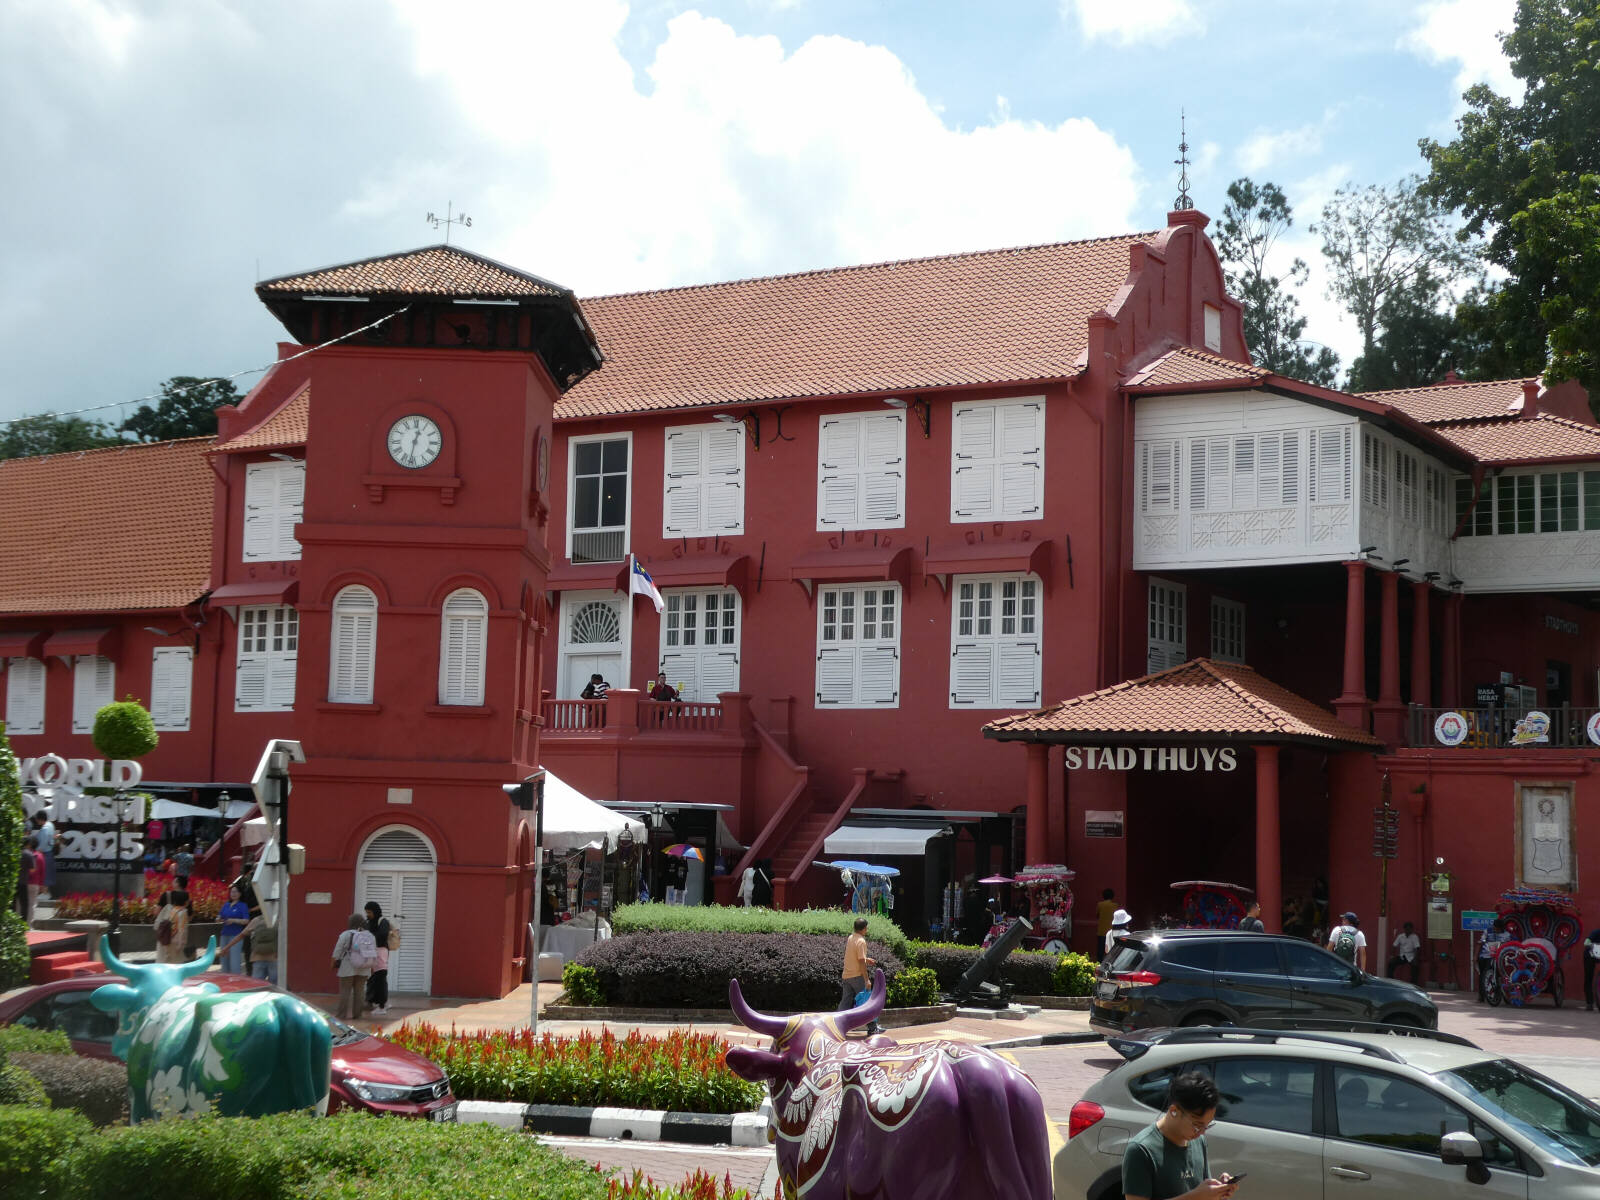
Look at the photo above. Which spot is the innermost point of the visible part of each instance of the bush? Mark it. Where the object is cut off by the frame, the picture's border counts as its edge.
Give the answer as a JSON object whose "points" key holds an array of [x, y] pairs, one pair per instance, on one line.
{"points": [[1074, 975], [20, 1039], [17, 1086], [681, 1072], [125, 729], [784, 974], [1030, 972], [582, 985], [96, 1088], [719, 918], [35, 1146], [914, 987], [13, 929]]}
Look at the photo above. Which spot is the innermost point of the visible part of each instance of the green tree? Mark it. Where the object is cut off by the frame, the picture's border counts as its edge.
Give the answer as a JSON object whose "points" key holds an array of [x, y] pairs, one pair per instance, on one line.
{"points": [[187, 408], [1526, 175], [1253, 219], [1391, 253], [47, 433], [125, 729], [13, 929], [1421, 341]]}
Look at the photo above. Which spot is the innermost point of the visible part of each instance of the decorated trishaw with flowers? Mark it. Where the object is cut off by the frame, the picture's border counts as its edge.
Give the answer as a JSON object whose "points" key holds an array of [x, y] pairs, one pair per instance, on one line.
{"points": [[1541, 925], [1211, 904], [1049, 907]]}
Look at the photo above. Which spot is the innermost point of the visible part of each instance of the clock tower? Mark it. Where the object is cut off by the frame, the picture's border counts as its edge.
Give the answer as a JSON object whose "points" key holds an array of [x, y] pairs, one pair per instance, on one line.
{"points": [[422, 602]]}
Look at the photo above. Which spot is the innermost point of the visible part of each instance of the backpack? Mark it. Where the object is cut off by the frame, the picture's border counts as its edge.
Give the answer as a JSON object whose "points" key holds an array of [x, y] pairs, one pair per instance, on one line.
{"points": [[1344, 943], [164, 931], [393, 940], [363, 952]]}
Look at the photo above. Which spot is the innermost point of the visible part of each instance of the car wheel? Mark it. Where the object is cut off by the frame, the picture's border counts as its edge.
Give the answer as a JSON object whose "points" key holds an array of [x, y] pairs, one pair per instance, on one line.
{"points": [[1201, 1018]]}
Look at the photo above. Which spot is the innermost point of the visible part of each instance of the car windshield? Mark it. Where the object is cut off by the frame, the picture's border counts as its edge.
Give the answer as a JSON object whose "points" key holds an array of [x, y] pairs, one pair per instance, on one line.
{"points": [[344, 1035], [1559, 1121]]}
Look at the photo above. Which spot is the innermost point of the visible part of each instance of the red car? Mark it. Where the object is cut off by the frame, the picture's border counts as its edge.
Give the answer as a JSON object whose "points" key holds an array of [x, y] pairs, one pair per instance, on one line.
{"points": [[368, 1073]]}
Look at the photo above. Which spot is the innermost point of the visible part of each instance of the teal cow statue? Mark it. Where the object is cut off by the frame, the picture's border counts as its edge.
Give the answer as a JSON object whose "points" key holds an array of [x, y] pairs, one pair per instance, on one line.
{"points": [[197, 1050]]}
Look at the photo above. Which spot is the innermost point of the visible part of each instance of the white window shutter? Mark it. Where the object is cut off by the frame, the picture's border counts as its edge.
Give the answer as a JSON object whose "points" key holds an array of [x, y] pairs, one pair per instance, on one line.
{"points": [[171, 687], [291, 506], [719, 672], [1021, 460], [836, 675], [880, 676], [723, 505], [260, 509], [353, 646], [1269, 465], [884, 469], [93, 687], [839, 473], [280, 682], [683, 673], [1017, 674], [250, 683], [1219, 483], [972, 465], [684, 482], [1197, 475], [1289, 468], [463, 648], [25, 680], [972, 675]]}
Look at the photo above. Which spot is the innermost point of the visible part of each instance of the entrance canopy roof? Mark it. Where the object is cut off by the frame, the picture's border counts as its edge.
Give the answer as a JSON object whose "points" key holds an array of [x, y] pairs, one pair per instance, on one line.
{"points": [[1199, 702]]}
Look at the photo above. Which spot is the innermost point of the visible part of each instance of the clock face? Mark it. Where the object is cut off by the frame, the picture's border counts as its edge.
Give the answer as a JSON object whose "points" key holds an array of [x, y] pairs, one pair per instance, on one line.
{"points": [[415, 441]]}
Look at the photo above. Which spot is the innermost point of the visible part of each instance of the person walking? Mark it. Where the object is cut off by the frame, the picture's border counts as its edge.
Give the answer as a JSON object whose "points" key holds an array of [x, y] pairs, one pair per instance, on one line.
{"points": [[1121, 921], [1167, 1160], [354, 955], [235, 915], [46, 833], [1348, 942], [1103, 914], [183, 864], [1252, 919], [853, 977], [1591, 955], [378, 982], [30, 877], [1407, 951], [172, 927]]}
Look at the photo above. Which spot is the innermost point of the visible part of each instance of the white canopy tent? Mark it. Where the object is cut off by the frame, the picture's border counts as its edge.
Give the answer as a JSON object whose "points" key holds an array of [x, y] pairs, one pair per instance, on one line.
{"points": [[572, 821], [866, 841]]}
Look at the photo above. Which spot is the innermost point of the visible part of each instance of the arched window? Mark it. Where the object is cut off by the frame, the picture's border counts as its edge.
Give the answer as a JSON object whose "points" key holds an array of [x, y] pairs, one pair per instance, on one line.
{"points": [[463, 643], [352, 646]]}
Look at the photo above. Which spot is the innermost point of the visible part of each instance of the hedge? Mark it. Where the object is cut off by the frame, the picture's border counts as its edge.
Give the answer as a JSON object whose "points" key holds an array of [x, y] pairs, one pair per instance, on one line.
{"points": [[720, 918], [95, 1087], [14, 961], [58, 1156], [1030, 972], [22, 1039], [784, 974]]}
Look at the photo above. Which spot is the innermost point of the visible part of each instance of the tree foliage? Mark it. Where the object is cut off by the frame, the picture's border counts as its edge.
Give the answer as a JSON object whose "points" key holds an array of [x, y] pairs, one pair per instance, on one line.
{"points": [[13, 929], [187, 408], [125, 729], [1526, 175], [1393, 257], [47, 433], [1253, 219]]}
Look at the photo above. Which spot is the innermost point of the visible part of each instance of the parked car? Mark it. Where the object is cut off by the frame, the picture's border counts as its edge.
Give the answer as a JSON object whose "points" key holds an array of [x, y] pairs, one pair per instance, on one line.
{"points": [[1213, 977], [1374, 1115], [368, 1073]]}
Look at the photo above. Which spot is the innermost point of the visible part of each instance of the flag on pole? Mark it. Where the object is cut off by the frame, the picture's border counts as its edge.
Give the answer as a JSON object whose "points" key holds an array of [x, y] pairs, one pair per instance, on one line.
{"points": [[640, 584]]}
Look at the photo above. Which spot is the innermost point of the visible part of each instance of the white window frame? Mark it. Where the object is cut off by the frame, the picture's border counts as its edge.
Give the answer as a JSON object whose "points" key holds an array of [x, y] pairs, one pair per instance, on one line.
{"points": [[171, 688], [463, 622], [1211, 327], [856, 490], [269, 650], [689, 640], [996, 641], [1167, 625], [702, 480], [274, 503], [625, 436], [1227, 630], [851, 646], [25, 696], [1244, 471], [997, 460], [352, 645], [1160, 475], [94, 685]]}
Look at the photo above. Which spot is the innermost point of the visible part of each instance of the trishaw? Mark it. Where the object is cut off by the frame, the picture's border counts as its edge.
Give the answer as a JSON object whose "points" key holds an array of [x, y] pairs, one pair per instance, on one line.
{"points": [[1209, 904], [1542, 925], [1049, 907]]}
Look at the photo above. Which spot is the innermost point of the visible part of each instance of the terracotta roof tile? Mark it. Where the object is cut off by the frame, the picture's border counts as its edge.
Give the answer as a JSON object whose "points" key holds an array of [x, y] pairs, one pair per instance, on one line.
{"points": [[1453, 401], [285, 427], [1515, 439], [431, 271], [993, 317], [1187, 365], [1201, 697], [106, 530]]}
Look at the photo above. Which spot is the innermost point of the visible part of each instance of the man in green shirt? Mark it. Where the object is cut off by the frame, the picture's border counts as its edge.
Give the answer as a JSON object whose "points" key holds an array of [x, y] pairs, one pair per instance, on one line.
{"points": [[1167, 1160]]}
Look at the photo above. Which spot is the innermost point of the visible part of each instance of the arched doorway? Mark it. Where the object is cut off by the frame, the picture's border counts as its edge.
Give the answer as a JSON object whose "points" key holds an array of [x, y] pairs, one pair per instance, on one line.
{"points": [[594, 639], [397, 869]]}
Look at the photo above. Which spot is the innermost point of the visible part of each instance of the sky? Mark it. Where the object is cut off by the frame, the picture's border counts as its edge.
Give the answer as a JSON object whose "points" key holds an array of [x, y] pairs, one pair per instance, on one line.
{"points": [[165, 155]]}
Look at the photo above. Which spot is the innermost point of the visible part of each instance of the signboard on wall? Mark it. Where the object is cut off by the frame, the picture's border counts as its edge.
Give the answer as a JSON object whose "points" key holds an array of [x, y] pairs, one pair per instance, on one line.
{"points": [[1475, 920], [1103, 823], [1544, 835], [1151, 758], [1439, 924]]}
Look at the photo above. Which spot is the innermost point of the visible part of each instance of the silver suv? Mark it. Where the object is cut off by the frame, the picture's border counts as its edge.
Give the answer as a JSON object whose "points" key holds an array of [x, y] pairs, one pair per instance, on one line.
{"points": [[1363, 1115]]}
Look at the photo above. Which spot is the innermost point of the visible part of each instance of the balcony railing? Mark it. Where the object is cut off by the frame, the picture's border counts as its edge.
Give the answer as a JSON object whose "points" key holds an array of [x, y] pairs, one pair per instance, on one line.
{"points": [[680, 716], [574, 716], [627, 712], [1552, 728]]}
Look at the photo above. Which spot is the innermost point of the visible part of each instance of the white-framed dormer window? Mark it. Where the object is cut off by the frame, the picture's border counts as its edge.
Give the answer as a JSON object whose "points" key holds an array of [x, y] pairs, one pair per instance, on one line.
{"points": [[269, 645], [94, 685], [703, 484], [997, 460], [700, 641], [24, 696], [352, 645], [171, 687], [597, 517], [858, 646], [861, 471], [1169, 623], [463, 647], [994, 642], [1227, 630], [1212, 331], [274, 502]]}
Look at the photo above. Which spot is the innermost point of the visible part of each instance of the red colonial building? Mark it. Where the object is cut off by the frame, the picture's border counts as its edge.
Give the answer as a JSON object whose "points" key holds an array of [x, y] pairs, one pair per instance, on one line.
{"points": [[900, 515]]}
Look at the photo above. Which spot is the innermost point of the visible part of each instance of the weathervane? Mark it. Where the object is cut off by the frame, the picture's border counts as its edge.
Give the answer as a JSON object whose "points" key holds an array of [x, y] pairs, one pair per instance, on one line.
{"points": [[1182, 161], [448, 220]]}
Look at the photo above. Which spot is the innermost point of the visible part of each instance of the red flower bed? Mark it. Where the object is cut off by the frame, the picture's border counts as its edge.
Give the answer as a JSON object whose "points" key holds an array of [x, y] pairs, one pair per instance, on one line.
{"points": [[205, 895], [699, 1186]]}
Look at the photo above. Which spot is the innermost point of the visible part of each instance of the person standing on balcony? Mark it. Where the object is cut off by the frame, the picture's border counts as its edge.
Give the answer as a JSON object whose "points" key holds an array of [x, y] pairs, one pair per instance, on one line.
{"points": [[596, 689], [662, 690]]}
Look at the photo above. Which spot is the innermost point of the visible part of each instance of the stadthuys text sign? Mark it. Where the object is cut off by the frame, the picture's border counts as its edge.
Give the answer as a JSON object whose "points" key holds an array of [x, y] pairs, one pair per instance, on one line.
{"points": [[1151, 758]]}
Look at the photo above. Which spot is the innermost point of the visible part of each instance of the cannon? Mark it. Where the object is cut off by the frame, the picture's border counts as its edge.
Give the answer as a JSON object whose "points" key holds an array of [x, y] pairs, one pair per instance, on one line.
{"points": [[973, 989]]}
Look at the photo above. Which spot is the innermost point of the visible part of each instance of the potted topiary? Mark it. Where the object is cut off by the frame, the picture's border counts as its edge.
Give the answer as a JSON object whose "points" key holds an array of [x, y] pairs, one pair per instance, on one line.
{"points": [[123, 729]]}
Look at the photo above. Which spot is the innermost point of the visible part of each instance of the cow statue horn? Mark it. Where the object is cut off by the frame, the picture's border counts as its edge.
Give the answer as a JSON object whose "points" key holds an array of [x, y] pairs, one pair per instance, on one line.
{"points": [[203, 963], [115, 964], [867, 1011], [749, 1017]]}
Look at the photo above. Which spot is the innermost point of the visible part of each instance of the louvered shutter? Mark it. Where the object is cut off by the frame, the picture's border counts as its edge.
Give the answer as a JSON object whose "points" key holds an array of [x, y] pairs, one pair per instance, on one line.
{"points": [[1269, 468], [685, 465], [972, 453], [839, 473], [1330, 466], [1289, 468], [353, 646], [260, 512], [879, 676], [1197, 475], [25, 680], [723, 493], [836, 675], [719, 672], [1021, 455], [1219, 486], [1158, 476], [1244, 472], [291, 507], [410, 967], [683, 672], [93, 687], [250, 683], [280, 681], [463, 644], [1017, 674], [972, 674], [884, 469], [171, 687]]}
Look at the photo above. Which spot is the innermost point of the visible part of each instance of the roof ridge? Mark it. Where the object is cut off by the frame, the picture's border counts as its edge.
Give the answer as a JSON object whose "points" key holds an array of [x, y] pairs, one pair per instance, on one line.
{"points": [[400, 254], [1273, 714], [1444, 384], [851, 268], [162, 444]]}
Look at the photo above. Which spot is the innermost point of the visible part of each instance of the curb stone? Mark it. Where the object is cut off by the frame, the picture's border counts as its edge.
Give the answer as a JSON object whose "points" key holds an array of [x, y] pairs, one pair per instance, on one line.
{"points": [[1045, 1039], [625, 1124]]}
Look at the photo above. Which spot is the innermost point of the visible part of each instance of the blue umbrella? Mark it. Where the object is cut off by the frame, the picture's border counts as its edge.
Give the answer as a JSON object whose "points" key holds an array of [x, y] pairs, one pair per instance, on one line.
{"points": [[871, 869], [849, 864]]}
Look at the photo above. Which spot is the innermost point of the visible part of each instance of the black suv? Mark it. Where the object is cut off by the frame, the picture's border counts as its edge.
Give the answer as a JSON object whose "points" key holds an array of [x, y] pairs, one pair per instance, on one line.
{"points": [[1214, 977]]}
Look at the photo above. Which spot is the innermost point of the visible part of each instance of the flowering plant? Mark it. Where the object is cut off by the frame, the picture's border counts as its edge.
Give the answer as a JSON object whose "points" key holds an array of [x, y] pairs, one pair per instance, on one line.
{"points": [[699, 1186]]}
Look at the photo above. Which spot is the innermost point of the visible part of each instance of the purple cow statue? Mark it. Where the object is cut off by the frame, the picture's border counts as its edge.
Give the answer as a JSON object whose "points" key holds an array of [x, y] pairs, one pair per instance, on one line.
{"points": [[872, 1119]]}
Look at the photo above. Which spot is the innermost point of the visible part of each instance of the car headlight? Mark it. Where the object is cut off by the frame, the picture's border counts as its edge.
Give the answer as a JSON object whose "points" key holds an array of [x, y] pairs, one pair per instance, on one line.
{"points": [[378, 1093]]}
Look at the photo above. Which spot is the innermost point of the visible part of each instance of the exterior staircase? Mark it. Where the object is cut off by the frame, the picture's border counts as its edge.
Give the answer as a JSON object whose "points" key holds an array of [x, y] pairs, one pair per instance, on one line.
{"points": [[64, 964]]}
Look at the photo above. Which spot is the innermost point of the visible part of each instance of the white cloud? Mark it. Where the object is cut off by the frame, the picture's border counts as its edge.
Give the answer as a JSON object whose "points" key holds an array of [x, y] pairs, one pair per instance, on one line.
{"points": [[1467, 32], [1263, 150], [1127, 22]]}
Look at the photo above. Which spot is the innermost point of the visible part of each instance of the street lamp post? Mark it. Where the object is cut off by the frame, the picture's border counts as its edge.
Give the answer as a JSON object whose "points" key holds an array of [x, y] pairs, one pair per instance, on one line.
{"points": [[114, 934]]}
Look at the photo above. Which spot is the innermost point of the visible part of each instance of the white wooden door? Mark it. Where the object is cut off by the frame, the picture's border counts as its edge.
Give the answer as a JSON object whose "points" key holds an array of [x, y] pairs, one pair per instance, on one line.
{"points": [[397, 871]]}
